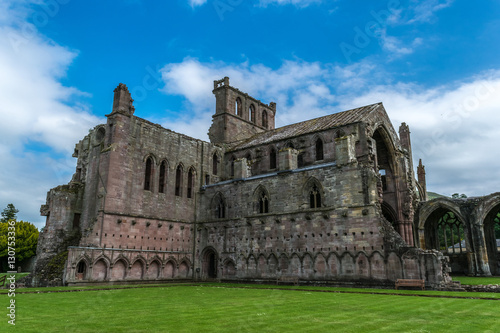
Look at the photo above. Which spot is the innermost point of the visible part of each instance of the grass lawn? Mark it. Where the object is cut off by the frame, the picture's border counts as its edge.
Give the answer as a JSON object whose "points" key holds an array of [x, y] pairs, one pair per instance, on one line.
{"points": [[18, 275], [220, 308], [472, 280]]}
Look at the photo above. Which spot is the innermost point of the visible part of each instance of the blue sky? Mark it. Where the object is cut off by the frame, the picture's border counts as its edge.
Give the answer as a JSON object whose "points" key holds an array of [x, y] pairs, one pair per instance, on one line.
{"points": [[433, 63]]}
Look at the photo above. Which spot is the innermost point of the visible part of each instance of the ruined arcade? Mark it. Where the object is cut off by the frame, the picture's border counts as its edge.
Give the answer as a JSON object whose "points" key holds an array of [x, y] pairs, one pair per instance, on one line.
{"points": [[332, 199]]}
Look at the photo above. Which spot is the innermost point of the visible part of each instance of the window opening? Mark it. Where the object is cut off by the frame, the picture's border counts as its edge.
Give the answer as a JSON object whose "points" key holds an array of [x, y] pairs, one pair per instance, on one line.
{"points": [[148, 174], [314, 197]]}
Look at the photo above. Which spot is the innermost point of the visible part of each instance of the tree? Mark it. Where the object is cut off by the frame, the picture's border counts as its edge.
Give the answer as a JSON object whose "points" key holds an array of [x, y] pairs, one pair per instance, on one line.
{"points": [[9, 213], [26, 240], [496, 220], [458, 196]]}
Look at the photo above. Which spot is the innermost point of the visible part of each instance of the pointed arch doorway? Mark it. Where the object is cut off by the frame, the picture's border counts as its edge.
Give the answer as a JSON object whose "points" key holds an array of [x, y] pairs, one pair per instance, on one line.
{"points": [[209, 263]]}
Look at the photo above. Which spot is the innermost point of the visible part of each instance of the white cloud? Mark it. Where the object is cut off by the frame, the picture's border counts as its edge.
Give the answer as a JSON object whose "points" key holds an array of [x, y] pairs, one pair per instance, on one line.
{"points": [[420, 11], [425, 10], [394, 45], [194, 3], [298, 3], [289, 86], [454, 126], [36, 111]]}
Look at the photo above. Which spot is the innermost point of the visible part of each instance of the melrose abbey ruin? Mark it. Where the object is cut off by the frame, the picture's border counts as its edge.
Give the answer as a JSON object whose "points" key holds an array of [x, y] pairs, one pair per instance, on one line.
{"points": [[329, 200]]}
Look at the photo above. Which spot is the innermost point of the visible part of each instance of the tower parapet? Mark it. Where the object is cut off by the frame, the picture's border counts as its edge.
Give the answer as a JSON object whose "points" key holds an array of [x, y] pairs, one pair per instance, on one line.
{"points": [[238, 116]]}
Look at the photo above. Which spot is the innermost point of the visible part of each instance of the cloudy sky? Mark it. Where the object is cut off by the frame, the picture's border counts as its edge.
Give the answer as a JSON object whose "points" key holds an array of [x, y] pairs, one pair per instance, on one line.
{"points": [[433, 63]]}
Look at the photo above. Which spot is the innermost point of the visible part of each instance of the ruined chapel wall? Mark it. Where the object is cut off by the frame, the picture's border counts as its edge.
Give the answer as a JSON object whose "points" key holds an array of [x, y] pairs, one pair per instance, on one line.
{"points": [[289, 191], [140, 139], [345, 225], [305, 145]]}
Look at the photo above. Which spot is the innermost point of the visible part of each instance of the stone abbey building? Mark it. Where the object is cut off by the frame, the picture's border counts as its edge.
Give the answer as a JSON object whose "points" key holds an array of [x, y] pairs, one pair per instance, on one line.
{"points": [[332, 199]]}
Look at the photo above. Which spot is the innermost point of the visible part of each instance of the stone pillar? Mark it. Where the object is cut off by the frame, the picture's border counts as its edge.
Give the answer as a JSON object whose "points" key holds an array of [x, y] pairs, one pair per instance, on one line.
{"points": [[241, 168], [421, 179], [345, 150], [480, 250], [288, 159]]}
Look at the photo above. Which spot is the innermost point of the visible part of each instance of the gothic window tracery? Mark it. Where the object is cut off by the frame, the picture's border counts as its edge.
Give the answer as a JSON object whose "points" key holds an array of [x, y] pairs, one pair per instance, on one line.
{"points": [[263, 203], [451, 234], [314, 197]]}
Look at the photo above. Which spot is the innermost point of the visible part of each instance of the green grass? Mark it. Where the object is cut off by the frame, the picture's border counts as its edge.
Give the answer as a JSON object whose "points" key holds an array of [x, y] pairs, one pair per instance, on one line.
{"points": [[472, 280], [18, 275], [91, 287], [433, 195], [220, 308]]}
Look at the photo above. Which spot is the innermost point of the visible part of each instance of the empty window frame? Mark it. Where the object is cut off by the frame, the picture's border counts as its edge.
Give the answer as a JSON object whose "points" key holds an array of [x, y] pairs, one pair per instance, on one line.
{"points": [[148, 174], [319, 150], [162, 181], [178, 181]]}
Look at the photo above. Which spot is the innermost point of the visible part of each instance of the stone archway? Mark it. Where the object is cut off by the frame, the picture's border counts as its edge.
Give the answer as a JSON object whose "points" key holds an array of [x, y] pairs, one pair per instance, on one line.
{"points": [[209, 263], [446, 231]]}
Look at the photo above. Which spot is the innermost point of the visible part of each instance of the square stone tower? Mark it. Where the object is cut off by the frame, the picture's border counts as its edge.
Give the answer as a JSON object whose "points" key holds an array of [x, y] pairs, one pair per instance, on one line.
{"points": [[238, 116]]}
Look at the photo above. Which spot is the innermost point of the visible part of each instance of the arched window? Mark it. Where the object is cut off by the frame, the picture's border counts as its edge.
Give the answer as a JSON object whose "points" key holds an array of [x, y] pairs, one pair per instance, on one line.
{"points": [[81, 270], [314, 197], [264, 119], [451, 234], [178, 181], [251, 113], [220, 207], [81, 267], [237, 107], [319, 150], [263, 203], [190, 186], [148, 174], [272, 159], [162, 181], [215, 164]]}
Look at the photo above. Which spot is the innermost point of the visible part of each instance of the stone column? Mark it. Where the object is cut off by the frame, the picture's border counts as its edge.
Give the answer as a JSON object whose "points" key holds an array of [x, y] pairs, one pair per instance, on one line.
{"points": [[241, 168], [480, 251], [288, 159], [345, 150]]}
